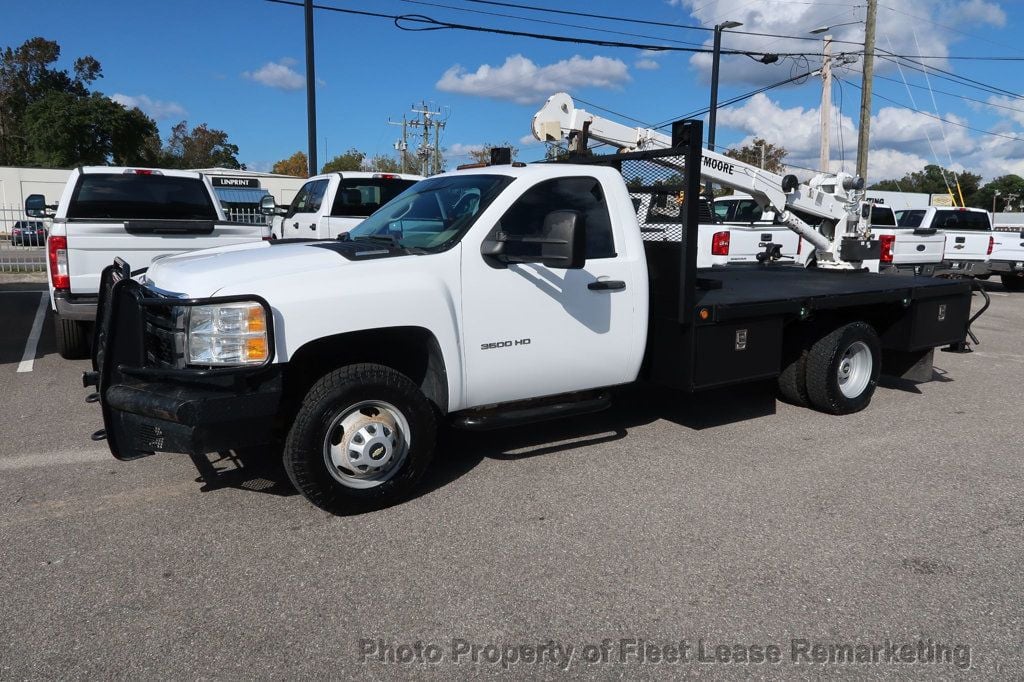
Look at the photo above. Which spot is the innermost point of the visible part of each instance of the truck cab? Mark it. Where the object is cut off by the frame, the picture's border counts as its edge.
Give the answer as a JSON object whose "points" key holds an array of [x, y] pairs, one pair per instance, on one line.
{"points": [[333, 203]]}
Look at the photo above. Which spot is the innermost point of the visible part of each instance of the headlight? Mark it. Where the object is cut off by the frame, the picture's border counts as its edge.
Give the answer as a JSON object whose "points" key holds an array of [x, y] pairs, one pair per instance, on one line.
{"points": [[227, 334]]}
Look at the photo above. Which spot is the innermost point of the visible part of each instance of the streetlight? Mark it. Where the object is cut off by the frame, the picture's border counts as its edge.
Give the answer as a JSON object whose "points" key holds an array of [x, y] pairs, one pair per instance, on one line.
{"points": [[823, 29], [995, 195], [716, 55]]}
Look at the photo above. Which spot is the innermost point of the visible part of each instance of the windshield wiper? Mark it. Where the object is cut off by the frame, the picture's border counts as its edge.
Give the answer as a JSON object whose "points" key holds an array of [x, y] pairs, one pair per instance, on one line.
{"points": [[389, 239]]}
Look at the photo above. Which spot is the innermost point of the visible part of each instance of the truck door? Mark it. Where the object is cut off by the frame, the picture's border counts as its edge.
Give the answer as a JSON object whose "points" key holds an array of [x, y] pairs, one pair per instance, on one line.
{"points": [[530, 330], [300, 222]]}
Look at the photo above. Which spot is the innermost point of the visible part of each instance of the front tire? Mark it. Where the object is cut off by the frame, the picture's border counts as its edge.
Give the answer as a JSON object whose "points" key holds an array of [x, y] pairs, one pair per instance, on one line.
{"points": [[843, 369], [1012, 282], [72, 338], [362, 439]]}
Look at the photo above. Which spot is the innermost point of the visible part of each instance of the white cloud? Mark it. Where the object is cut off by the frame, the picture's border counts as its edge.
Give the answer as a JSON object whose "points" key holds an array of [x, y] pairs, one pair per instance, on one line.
{"points": [[278, 75], [460, 149], [899, 139], [646, 64], [156, 108], [896, 27], [522, 81], [1007, 107], [527, 140]]}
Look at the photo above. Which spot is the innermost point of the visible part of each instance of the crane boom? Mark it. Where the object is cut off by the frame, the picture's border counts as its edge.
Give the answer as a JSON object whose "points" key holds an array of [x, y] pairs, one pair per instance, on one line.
{"points": [[836, 199]]}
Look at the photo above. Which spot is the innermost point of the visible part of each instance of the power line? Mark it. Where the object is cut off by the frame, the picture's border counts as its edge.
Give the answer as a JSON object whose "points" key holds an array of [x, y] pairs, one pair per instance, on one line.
{"points": [[954, 78], [649, 22], [431, 24], [952, 94], [547, 21], [944, 120]]}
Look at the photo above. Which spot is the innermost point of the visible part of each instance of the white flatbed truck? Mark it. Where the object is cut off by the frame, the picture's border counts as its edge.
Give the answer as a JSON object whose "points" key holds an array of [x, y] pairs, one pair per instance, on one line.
{"points": [[531, 305]]}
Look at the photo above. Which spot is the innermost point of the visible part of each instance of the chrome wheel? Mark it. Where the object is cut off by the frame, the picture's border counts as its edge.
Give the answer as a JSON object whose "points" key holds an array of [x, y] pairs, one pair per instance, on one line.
{"points": [[854, 370], [366, 444]]}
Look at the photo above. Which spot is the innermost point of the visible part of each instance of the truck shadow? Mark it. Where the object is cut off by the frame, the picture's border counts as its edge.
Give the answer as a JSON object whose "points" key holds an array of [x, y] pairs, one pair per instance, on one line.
{"points": [[459, 452]]}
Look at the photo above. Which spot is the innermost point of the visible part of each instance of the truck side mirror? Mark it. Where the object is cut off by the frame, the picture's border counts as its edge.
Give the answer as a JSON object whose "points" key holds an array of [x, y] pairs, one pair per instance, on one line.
{"points": [[562, 243], [565, 240], [267, 205], [35, 206]]}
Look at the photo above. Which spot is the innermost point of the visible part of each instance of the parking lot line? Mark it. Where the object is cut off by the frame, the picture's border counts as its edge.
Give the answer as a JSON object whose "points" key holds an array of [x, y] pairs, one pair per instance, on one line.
{"points": [[28, 359]]}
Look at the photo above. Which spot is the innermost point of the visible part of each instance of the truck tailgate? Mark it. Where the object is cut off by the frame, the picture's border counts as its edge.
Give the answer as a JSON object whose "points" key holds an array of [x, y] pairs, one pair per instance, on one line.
{"points": [[966, 245], [746, 241], [92, 245], [1008, 246], [915, 249]]}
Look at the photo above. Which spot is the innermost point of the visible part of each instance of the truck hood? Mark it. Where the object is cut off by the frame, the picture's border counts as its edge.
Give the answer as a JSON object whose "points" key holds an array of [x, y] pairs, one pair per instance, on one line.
{"points": [[204, 273]]}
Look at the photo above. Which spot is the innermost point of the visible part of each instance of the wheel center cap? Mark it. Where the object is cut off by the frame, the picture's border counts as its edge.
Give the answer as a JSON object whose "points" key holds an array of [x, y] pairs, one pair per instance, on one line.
{"points": [[378, 451]]}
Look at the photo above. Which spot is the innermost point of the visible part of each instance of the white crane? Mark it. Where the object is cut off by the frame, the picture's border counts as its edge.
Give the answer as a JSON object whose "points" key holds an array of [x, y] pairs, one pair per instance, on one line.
{"points": [[836, 199]]}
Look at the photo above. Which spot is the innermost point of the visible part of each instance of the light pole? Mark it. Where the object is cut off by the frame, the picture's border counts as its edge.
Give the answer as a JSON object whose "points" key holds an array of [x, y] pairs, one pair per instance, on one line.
{"points": [[716, 54], [995, 195], [310, 91]]}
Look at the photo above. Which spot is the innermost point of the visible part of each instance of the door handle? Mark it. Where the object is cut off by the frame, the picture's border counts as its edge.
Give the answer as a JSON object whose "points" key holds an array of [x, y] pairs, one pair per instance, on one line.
{"points": [[312, 226], [607, 285], [295, 225]]}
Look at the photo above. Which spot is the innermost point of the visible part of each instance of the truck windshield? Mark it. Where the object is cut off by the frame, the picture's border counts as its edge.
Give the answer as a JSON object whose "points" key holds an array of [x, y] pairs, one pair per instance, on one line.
{"points": [[433, 214], [140, 197]]}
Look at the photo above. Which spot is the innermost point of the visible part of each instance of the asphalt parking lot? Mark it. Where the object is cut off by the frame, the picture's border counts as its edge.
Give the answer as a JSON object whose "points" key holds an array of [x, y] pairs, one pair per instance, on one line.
{"points": [[729, 519]]}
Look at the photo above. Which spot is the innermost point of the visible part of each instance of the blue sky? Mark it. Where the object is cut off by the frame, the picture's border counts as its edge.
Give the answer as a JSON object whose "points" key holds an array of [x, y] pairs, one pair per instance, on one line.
{"points": [[238, 65]]}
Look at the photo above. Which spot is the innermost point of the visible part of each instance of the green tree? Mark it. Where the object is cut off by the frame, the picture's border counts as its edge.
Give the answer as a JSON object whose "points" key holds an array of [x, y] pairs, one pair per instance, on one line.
{"points": [[1006, 185], [352, 160], [27, 76], [933, 179], [382, 163], [64, 130], [297, 164], [773, 156], [200, 147]]}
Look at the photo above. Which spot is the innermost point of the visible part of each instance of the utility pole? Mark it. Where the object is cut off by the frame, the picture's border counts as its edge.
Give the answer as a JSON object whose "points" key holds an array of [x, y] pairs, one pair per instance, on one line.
{"points": [[826, 101], [402, 145], [428, 153], [310, 91], [864, 130]]}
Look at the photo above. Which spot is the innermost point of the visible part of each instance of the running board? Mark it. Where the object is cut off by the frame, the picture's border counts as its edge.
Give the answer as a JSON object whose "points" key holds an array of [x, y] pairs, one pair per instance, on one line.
{"points": [[499, 418]]}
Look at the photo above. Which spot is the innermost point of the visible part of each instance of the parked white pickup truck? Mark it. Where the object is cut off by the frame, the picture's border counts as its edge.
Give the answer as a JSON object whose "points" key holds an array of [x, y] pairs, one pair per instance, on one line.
{"points": [[527, 305], [139, 214], [333, 203], [906, 250], [659, 212], [1007, 259], [968, 234]]}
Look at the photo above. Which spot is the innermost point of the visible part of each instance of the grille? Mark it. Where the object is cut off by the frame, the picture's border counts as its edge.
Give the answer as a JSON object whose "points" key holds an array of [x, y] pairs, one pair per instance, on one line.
{"points": [[161, 342]]}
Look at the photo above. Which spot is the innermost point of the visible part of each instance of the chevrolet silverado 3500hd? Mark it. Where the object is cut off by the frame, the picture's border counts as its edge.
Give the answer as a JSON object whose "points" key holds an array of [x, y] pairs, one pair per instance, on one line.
{"points": [[528, 304]]}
